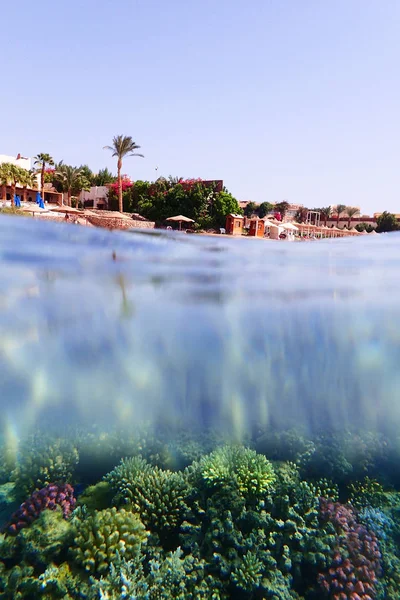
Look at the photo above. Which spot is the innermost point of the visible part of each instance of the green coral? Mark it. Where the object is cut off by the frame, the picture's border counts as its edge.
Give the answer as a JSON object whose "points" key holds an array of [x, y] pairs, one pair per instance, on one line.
{"points": [[248, 574], [97, 497], [158, 496], [46, 539], [103, 536], [367, 492], [43, 461], [249, 473], [173, 576]]}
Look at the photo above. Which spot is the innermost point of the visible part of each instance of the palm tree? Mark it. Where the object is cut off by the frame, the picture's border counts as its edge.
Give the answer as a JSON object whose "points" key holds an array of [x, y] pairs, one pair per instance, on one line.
{"points": [[41, 160], [123, 145], [11, 174], [28, 180], [326, 213], [340, 208], [71, 179], [103, 177], [351, 211]]}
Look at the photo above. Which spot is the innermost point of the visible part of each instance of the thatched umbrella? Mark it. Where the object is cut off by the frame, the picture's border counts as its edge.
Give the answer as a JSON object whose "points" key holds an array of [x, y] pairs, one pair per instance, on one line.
{"points": [[180, 219], [67, 210], [34, 209]]}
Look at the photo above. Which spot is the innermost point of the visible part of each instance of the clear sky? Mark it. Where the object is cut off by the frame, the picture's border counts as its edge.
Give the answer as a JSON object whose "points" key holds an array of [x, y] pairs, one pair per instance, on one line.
{"points": [[294, 100]]}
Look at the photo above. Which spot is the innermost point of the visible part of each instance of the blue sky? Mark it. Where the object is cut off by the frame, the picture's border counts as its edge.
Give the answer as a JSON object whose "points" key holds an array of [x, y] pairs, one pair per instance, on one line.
{"points": [[282, 99]]}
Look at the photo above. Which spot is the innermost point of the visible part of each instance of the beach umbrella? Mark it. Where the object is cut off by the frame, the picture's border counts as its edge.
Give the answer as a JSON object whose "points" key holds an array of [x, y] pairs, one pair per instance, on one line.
{"points": [[373, 232], [180, 219], [17, 201], [38, 197], [35, 209], [290, 226], [67, 210]]}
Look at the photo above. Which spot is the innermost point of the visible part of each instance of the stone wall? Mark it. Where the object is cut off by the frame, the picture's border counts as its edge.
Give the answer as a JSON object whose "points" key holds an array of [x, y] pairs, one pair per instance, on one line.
{"points": [[110, 222]]}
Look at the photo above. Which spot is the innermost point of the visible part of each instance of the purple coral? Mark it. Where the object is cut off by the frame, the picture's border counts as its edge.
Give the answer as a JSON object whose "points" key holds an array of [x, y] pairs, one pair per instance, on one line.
{"points": [[356, 563], [48, 497]]}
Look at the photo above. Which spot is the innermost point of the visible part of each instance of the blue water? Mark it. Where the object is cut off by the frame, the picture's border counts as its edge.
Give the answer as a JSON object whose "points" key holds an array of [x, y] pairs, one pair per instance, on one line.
{"points": [[175, 328]]}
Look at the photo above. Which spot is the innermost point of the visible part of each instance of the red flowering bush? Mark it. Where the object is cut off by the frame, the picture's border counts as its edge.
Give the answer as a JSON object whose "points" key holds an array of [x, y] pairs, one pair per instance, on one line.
{"points": [[126, 184], [356, 563]]}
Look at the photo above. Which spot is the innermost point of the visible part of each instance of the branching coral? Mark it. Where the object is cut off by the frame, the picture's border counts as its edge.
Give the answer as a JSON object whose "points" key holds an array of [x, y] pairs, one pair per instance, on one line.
{"points": [[251, 474], [158, 496], [42, 461], [356, 563]]}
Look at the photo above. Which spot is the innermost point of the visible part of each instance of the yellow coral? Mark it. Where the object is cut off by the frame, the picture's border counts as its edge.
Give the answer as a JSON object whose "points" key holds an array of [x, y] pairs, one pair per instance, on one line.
{"points": [[103, 535]]}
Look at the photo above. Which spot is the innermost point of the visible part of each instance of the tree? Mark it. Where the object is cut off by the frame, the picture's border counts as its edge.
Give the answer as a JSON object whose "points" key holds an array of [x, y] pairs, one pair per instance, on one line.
{"points": [[11, 174], [224, 204], [326, 213], [301, 215], [103, 177], [282, 208], [351, 211], [28, 180], [71, 179], [122, 146], [250, 209], [87, 173], [41, 160], [264, 209], [387, 222], [340, 208]]}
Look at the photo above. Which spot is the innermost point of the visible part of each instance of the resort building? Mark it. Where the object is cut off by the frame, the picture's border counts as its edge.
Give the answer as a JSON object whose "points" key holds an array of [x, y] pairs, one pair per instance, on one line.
{"points": [[28, 194], [96, 197]]}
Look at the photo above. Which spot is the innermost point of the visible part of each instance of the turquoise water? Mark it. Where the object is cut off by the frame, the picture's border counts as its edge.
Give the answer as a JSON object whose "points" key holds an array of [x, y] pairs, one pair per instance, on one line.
{"points": [[196, 417]]}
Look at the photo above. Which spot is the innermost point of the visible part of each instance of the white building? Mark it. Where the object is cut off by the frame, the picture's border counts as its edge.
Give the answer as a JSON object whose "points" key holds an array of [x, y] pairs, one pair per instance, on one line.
{"points": [[96, 197]]}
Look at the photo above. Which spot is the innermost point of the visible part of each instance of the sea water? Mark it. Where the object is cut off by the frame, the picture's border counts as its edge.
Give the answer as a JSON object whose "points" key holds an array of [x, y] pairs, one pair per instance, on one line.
{"points": [[112, 328], [287, 348]]}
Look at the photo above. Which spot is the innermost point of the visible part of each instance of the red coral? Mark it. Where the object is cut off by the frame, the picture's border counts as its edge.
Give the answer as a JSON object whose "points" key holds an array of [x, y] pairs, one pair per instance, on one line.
{"points": [[48, 497], [356, 564]]}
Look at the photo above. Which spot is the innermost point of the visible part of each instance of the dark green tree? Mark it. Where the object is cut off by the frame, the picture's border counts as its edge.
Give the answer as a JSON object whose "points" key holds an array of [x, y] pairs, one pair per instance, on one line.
{"points": [[103, 177], [250, 209], [282, 207], [387, 222], [339, 210], [264, 209]]}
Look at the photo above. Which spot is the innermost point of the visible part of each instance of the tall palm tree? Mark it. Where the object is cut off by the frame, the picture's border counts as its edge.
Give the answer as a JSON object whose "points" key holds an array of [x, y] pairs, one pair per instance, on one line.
{"points": [[340, 208], [351, 211], [326, 212], [28, 180], [41, 160], [122, 145], [11, 174], [71, 180]]}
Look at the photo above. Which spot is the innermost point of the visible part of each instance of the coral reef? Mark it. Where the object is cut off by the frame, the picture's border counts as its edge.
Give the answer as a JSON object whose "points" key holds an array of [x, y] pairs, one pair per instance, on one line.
{"points": [[43, 460], [158, 496], [248, 473], [103, 536], [49, 497], [229, 525], [356, 563]]}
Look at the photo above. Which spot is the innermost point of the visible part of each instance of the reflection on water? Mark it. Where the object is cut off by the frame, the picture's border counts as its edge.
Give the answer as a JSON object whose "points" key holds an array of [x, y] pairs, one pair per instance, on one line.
{"points": [[109, 328]]}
